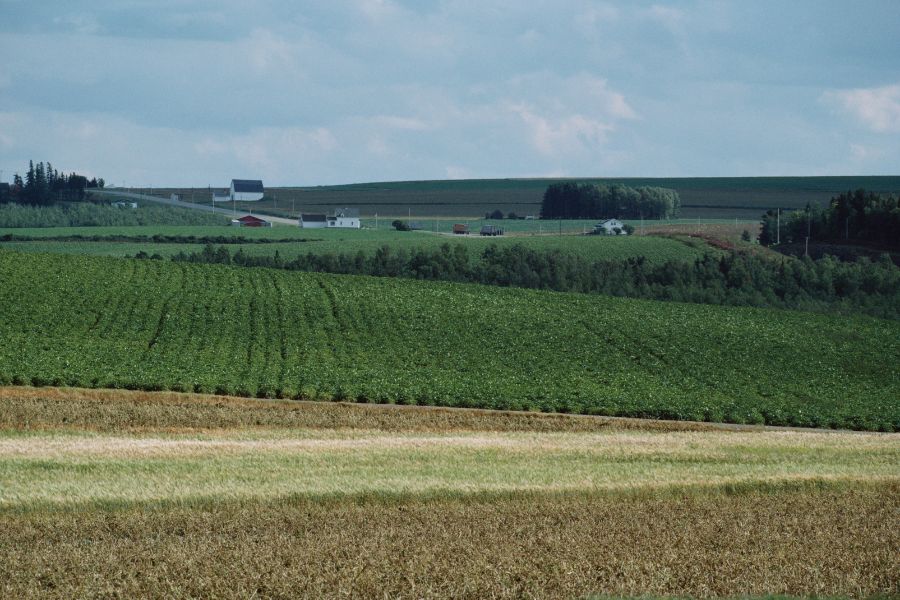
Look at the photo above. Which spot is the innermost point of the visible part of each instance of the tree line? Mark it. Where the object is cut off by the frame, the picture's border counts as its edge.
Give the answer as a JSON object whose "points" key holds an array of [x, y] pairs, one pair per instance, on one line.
{"points": [[738, 279], [860, 216], [571, 200], [43, 185]]}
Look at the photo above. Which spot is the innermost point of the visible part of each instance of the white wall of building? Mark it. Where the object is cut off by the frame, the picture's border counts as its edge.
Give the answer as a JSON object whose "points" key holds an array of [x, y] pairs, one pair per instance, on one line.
{"points": [[344, 222], [247, 196]]}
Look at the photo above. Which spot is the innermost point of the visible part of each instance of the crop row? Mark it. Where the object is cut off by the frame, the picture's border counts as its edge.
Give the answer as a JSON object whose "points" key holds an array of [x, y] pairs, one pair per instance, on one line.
{"points": [[98, 322]]}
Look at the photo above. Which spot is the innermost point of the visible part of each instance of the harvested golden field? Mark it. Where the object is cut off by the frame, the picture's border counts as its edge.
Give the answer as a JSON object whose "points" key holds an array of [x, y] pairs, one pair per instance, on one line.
{"points": [[132, 494], [25, 408], [812, 541]]}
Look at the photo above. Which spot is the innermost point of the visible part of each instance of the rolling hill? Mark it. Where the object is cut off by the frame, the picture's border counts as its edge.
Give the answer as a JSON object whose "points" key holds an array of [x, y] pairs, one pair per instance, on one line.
{"points": [[102, 322]]}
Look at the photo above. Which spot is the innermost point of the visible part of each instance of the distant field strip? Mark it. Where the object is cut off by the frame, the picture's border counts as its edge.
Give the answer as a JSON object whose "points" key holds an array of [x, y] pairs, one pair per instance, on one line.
{"points": [[654, 249], [725, 197], [99, 322]]}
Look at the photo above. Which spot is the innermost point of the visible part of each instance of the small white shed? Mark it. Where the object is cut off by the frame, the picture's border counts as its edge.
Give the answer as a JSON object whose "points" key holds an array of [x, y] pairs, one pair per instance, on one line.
{"points": [[610, 227]]}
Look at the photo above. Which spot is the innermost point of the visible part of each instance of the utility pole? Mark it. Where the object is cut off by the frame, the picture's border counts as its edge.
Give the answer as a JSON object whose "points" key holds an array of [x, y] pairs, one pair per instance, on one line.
{"points": [[778, 226], [808, 229]]}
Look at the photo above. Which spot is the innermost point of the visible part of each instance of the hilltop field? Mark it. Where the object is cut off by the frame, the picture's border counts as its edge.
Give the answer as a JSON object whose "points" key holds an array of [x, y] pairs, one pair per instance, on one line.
{"points": [[742, 198]]}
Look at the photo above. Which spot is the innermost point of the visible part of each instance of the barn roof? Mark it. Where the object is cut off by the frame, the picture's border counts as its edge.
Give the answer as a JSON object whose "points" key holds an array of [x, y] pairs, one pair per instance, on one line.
{"points": [[247, 185], [312, 218], [347, 213], [251, 219]]}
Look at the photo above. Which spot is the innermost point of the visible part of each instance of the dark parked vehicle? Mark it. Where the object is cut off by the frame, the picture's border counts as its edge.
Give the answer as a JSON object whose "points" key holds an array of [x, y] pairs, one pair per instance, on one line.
{"points": [[491, 230]]}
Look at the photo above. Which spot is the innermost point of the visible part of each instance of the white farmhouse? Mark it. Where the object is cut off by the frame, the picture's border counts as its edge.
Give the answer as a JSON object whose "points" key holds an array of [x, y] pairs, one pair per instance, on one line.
{"points": [[344, 217], [610, 226], [246, 190]]}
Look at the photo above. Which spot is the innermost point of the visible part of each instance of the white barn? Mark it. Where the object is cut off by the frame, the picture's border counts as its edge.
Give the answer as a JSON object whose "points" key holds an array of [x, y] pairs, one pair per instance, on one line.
{"points": [[609, 227], [246, 190], [312, 221], [344, 217]]}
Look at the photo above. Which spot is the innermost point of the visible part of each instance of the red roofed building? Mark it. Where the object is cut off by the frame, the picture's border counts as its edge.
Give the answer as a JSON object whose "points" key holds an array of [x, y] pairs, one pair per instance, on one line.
{"points": [[250, 221]]}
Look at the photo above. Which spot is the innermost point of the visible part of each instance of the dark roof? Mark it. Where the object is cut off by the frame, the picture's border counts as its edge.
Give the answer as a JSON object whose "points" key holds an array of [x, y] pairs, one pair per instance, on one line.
{"points": [[247, 185], [347, 213], [251, 219], [312, 218]]}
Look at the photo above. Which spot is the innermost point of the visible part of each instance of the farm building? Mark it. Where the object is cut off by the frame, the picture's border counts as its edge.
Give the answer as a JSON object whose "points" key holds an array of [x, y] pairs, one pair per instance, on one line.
{"points": [[246, 190], [344, 217], [610, 227], [312, 221], [250, 221], [221, 195]]}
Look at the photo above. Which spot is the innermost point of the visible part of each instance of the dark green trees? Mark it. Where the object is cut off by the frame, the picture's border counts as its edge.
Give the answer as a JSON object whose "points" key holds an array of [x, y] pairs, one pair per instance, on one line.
{"points": [[571, 200], [855, 217]]}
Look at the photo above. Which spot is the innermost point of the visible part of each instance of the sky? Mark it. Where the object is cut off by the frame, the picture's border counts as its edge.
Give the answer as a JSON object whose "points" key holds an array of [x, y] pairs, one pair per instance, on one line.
{"points": [[195, 93]]}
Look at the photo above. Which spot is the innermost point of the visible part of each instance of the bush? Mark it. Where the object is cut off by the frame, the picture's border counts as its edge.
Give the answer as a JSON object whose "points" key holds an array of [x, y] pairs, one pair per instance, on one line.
{"points": [[400, 225]]}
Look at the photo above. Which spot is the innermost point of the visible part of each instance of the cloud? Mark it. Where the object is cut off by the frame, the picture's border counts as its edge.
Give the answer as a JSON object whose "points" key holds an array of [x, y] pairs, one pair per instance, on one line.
{"points": [[454, 172], [83, 24], [554, 137], [269, 53], [402, 123], [877, 108]]}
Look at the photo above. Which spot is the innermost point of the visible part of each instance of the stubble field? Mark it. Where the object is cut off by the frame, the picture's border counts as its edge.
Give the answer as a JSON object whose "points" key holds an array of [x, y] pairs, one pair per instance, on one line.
{"points": [[130, 494]]}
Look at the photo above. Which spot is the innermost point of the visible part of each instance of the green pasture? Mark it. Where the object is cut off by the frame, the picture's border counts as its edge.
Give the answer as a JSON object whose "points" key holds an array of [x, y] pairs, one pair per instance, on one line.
{"points": [[654, 249]]}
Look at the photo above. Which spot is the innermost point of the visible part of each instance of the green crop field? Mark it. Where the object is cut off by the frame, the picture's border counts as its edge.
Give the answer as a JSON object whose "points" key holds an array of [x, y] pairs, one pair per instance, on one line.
{"points": [[718, 197], [101, 322], [291, 242]]}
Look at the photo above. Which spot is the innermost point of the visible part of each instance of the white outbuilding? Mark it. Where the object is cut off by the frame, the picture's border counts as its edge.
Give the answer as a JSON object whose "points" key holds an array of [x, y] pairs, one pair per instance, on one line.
{"points": [[312, 221], [221, 195], [610, 227]]}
